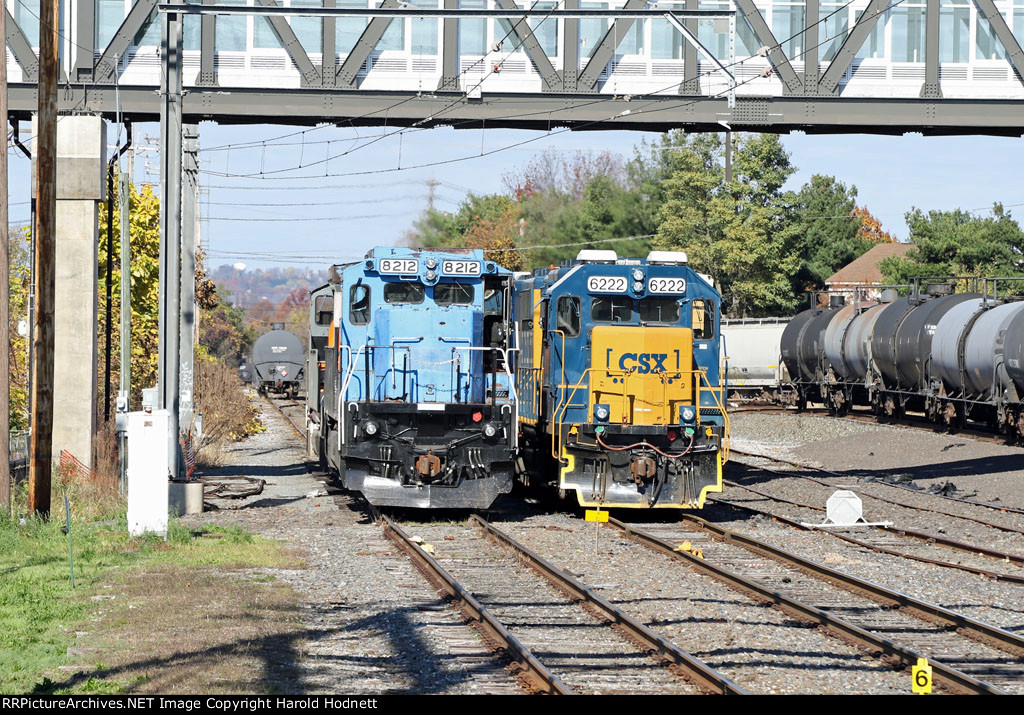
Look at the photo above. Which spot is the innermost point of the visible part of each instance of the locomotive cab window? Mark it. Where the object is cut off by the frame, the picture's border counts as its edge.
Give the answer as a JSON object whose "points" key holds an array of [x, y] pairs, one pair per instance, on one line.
{"points": [[324, 309], [453, 294], [703, 317], [567, 318], [401, 292], [611, 309], [659, 310], [494, 297], [359, 304]]}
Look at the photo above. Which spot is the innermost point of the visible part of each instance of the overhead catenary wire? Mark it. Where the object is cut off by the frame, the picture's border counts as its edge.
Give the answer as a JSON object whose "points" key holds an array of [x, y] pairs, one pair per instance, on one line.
{"points": [[672, 105]]}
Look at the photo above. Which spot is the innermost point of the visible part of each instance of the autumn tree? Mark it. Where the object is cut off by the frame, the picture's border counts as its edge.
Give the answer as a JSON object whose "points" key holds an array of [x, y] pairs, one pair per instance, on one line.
{"points": [[871, 227], [828, 229], [144, 232]]}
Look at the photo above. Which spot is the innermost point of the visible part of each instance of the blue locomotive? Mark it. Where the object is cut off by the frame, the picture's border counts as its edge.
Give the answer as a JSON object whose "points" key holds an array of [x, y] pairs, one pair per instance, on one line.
{"points": [[618, 379], [418, 406]]}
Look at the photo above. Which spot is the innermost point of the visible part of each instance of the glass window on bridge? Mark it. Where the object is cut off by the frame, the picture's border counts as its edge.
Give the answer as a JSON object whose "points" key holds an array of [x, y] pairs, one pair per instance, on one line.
{"points": [[955, 30], [348, 29], [788, 27], [424, 30], [26, 14], [874, 45], [592, 29], [988, 45], [1018, 20], [835, 24], [109, 19], [231, 31], [908, 32], [473, 33]]}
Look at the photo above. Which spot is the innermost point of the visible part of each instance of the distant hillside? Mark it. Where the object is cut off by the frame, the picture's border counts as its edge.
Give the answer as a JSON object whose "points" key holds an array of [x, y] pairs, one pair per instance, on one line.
{"points": [[247, 287]]}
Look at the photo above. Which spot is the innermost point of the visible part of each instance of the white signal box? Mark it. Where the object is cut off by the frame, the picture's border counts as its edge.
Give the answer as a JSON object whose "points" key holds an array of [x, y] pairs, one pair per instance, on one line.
{"points": [[148, 472]]}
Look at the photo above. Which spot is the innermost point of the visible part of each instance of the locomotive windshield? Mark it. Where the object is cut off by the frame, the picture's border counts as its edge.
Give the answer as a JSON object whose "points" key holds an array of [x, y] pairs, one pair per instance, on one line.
{"points": [[403, 293], [453, 294], [659, 310], [611, 309]]}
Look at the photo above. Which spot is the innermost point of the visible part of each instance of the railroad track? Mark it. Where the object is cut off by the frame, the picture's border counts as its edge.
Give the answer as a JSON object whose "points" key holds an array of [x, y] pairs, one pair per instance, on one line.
{"points": [[560, 636], [909, 422], [966, 655], [926, 547], [290, 403]]}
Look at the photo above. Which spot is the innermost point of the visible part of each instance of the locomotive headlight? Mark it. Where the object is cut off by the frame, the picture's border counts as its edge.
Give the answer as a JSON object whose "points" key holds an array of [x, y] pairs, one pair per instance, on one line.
{"points": [[431, 263], [638, 286], [431, 275], [491, 429], [638, 275], [687, 415], [601, 412], [370, 428]]}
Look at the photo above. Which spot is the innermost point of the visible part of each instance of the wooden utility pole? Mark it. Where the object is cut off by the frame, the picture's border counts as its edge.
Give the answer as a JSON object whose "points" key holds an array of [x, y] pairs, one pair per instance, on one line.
{"points": [[41, 459], [5, 294]]}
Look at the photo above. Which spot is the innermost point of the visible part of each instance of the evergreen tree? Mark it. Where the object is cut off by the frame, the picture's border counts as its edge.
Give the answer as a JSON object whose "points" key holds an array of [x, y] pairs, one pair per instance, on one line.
{"points": [[739, 231], [957, 243], [829, 229]]}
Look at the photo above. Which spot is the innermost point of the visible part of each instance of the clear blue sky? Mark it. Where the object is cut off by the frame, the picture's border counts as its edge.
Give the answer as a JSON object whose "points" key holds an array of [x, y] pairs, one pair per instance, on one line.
{"points": [[355, 211]]}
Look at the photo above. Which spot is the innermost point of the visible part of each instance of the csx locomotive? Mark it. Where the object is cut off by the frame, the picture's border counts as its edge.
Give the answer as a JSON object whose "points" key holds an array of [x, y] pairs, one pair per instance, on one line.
{"points": [[618, 380], [418, 407]]}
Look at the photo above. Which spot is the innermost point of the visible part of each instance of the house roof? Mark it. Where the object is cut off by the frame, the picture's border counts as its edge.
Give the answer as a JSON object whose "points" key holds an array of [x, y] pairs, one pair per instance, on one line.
{"points": [[864, 270]]}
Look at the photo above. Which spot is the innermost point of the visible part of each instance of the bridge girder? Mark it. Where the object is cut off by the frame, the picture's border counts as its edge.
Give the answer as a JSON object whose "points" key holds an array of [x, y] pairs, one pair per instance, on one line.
{"points": [[567, 90]]}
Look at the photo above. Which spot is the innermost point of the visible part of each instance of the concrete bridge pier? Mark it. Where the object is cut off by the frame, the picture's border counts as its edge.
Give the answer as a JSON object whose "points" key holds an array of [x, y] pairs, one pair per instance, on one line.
{"points": [[81, 160]]}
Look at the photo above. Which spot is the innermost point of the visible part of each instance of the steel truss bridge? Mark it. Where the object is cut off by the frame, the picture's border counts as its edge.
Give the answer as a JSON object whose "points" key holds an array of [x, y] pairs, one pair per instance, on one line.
{"points": [[885, 66]]}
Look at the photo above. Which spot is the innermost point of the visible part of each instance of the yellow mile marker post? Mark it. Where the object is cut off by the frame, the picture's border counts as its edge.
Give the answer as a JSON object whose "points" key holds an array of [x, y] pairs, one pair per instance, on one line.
{"points": [[598, 517], [922, 675]]}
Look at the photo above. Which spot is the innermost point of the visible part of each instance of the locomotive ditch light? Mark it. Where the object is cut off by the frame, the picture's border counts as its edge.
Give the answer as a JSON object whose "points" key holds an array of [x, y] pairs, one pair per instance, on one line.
{"points": [[687, 416], [601, 412], [370, 428], [491, 429]]}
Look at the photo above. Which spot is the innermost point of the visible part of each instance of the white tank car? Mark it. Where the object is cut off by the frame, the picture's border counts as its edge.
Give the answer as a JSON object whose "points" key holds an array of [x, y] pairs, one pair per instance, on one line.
{"points": [[751, 348]]}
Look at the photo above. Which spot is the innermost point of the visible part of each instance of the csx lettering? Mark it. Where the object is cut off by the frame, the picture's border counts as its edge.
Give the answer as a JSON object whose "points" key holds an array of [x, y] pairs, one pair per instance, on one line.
{"points": [[643, 362]]}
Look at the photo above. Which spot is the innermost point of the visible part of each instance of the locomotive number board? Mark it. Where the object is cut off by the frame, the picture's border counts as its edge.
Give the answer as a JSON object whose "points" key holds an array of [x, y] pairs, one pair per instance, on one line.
{"points": [[666, 285], [607, 284], [398, 266], [460, 268]]}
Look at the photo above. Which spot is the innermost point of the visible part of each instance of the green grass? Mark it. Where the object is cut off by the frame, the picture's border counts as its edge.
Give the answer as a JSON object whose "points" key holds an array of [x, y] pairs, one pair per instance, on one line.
{"points": [[40, 612]]}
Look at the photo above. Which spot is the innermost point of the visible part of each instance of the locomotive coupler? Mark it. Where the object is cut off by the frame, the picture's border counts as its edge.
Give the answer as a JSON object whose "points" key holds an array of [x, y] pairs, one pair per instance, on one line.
{"points": [[428, 465]]}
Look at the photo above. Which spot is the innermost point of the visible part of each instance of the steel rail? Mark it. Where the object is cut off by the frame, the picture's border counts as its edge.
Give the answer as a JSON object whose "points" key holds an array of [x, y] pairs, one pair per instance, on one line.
{"points": [[811, 467], [696, 670], [981, 631], [535, 672], [944, 674], [995, 575], [284, 414], [925, 536]]}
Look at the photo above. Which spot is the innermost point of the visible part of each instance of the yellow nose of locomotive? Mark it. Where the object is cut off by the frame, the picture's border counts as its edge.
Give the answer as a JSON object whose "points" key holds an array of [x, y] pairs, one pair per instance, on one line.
{"points": [[642, 376]]}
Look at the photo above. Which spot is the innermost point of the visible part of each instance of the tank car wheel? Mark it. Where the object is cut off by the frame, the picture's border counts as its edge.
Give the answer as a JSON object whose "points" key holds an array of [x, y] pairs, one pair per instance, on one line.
{"points": [[952, 416]]}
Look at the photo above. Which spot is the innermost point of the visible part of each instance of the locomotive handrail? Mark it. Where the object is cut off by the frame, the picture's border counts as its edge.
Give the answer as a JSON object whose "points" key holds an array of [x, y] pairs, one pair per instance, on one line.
{"points": [[701, 375], [513, 395]]}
